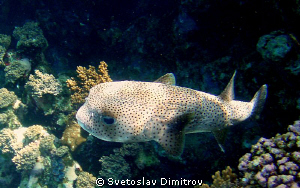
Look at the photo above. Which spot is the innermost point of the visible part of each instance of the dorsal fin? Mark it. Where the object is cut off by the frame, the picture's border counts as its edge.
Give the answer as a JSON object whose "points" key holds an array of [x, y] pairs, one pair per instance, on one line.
{"points": [[228, 92], [168, 78]]}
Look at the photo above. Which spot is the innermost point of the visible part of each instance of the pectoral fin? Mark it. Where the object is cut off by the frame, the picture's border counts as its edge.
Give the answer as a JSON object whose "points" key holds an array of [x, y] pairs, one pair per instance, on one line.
{"points": [[173, 137], [220, 136]]}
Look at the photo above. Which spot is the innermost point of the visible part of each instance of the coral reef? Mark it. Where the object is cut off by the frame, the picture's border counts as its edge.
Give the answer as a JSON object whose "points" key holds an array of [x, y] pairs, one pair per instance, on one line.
{"points": [[4, 43], [115, 166], [43, 88], [2, 54], [26, 158], [39, 158], [9, 142], [12, 110], [7, 98], [228, 179], [17, 70], [7, 169], [5, 40], [30, 38], [42, 83], [201, 42], [273, 162], [123, 163], [87, 79], [72, 136], [274, 46], [85, 180], [33, 133]]}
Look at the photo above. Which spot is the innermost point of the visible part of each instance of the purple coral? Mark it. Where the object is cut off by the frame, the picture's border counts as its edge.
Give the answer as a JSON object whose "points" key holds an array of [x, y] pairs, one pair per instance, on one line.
{"points": [[273, 162], [295, 128]]}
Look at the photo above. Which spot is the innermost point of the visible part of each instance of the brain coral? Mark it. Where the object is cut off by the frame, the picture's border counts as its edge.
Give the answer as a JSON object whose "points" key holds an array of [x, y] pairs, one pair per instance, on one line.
{"points": [[273, 162]]}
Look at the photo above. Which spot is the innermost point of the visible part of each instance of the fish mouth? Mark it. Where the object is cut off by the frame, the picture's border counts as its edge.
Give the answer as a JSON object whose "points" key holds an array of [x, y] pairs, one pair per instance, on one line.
{"points": [[83, 126], [80, 118]]}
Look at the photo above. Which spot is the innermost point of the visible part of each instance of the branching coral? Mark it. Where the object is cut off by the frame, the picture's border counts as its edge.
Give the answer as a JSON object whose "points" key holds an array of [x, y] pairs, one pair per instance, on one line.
{"points": [[87, 79], [43, 83], [226, 180], [273, 162]]}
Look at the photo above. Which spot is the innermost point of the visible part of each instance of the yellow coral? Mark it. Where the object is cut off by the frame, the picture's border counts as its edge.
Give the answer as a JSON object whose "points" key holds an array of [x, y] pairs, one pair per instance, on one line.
{"points": [[85, 180], [87, 79], [227, 179]]}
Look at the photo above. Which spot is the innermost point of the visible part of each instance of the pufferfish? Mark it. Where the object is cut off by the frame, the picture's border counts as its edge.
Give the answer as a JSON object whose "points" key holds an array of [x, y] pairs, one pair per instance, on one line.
{"points": [[133, 111]]}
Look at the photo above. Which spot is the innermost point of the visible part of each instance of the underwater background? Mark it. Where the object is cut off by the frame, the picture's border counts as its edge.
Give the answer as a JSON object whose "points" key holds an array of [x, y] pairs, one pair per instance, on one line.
{"points": [[53, 52]]}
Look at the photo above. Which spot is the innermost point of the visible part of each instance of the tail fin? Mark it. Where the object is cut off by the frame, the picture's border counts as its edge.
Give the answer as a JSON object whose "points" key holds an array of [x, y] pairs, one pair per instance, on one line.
{"points": [[258, 101]]}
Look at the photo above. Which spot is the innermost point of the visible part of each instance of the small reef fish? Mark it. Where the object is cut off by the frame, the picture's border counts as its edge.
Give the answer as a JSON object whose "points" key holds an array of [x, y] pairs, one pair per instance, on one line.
{"points": [[133, 111]]}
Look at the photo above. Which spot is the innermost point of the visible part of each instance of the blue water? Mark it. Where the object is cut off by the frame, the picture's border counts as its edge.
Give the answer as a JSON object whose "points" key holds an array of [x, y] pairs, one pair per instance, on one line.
{"points": [[201, 42]]}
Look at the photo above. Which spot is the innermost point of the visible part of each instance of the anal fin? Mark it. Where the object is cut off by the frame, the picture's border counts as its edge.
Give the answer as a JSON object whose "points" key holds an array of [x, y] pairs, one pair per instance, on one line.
{"points": [[220, 136], [173, 136]]}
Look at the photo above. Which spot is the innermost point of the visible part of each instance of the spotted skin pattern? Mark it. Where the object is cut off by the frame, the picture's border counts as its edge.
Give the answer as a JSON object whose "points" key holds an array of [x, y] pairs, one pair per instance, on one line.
{"points": [[132, 111]]}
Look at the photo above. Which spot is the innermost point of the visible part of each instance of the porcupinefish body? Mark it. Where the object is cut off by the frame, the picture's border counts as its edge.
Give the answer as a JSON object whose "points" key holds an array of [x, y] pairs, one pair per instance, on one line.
{"points": [[132, 111]]}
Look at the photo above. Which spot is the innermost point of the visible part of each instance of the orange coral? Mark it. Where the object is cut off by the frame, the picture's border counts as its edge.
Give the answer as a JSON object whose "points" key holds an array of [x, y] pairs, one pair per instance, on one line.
{"points": [[87, 79]]}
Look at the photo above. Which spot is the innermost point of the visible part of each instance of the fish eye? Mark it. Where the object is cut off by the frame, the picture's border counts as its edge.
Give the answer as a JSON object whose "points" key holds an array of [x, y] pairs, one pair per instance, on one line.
{"points": [[108, 120]]}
